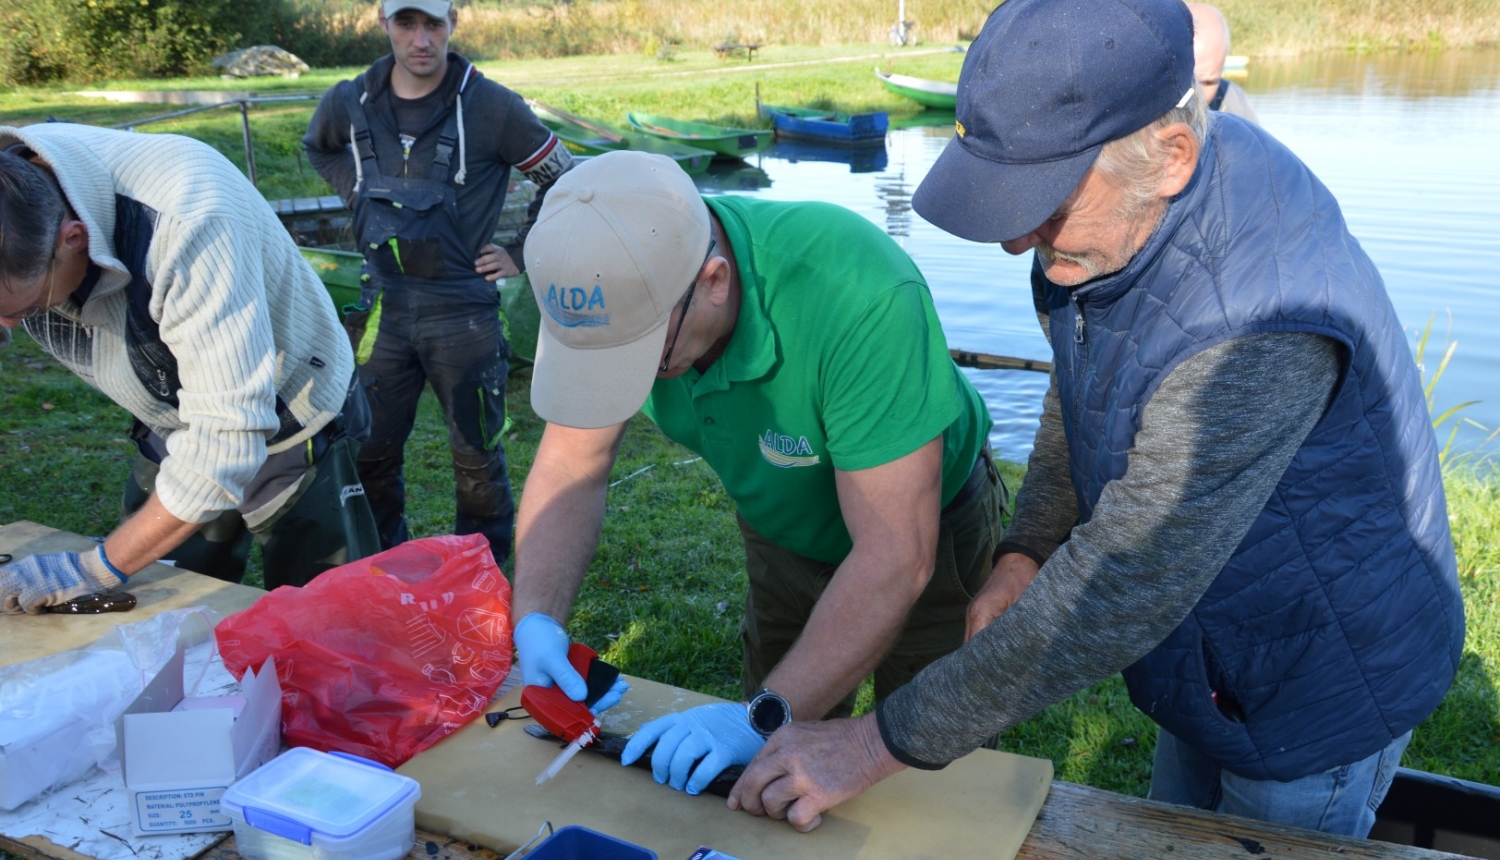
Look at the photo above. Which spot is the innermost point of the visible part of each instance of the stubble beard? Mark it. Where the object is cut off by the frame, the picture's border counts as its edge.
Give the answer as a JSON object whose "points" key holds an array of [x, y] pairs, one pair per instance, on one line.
{"points": [[1146, 218]]}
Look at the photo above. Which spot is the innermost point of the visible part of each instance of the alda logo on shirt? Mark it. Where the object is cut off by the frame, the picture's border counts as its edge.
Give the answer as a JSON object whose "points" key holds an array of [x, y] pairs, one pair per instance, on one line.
{"points": [[576, 306], [786, 452]]}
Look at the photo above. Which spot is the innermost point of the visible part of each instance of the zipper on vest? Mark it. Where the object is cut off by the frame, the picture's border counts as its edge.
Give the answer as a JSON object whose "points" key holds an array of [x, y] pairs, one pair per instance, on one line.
{"points": [[1078, 323]]}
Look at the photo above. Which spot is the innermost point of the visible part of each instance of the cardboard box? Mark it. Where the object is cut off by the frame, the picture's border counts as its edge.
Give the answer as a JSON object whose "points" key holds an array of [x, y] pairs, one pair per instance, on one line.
{"points": [[178, 754]]}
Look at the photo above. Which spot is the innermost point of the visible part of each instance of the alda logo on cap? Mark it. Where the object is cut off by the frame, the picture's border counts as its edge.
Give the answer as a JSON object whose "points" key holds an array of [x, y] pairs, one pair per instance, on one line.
{"points": [[573, 307]]}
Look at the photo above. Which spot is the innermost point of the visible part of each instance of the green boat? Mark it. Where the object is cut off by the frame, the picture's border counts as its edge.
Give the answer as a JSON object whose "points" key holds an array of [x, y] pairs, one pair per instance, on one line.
{"points": [[933, 94], [339, 272], [726, 141], [591, 137]]}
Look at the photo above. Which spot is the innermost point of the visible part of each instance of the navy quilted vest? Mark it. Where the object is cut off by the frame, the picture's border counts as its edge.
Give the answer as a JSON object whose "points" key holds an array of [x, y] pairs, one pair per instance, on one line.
{"points": [[1337, 624]]}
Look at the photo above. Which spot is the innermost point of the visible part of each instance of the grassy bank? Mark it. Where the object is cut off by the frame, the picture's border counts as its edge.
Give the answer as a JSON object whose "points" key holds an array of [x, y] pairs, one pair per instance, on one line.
{"points": [[695, 84], [664, 597]]}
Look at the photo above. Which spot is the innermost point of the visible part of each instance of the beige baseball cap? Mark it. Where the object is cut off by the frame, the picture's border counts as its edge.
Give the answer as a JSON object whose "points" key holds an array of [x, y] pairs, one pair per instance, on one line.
{"points": [[618, 240], [435, 8]]}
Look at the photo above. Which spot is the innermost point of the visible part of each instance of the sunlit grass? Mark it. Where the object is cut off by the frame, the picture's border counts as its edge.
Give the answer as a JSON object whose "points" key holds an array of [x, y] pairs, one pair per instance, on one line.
{"points": [[664, 596]]}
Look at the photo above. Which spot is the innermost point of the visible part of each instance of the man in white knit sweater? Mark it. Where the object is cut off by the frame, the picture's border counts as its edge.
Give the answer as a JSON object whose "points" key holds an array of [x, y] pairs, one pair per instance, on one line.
{"points": [[149, 266]]}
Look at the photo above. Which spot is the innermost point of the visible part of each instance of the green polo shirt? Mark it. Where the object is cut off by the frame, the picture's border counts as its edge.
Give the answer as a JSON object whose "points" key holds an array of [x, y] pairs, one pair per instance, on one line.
{"points": [[837, 361]]}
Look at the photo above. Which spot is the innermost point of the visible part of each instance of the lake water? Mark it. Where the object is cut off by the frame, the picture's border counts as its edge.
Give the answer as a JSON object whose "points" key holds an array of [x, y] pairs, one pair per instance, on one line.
{"points": [[1408, 144]]}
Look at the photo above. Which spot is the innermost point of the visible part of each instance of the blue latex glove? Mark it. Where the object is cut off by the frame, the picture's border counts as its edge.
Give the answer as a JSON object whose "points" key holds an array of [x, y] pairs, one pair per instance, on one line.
{"points": [[33, 583], [711, 736], [542, 648]]}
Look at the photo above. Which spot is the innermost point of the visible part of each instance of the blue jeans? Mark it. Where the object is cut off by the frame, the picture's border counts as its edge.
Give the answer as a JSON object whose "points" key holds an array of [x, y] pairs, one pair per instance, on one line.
{"points": [[1341, 800]]}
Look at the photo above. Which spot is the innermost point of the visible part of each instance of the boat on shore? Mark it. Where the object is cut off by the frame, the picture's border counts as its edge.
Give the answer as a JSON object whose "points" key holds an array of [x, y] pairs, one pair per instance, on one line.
{"points": [[591, 137], [725, 140], [933, 94], [828, 127]]}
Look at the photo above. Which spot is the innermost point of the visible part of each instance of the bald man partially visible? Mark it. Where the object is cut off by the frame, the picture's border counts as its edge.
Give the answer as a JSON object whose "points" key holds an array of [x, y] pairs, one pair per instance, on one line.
{"points": [[1210, 47]]}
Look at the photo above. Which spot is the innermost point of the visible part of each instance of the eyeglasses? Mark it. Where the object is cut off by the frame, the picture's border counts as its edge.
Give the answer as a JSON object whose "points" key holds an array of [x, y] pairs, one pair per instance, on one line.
{"points": [[36, 310], [687, 300], [46, 304]]}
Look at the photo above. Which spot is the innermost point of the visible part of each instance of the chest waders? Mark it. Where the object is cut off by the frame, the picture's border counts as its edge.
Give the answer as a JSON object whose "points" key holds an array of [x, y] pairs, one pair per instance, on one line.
{"points": [[324, 522], [403, 226]]}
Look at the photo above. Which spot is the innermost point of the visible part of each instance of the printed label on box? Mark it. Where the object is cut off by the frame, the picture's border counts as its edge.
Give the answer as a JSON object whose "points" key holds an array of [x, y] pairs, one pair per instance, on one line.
{"points": [[180, 811], [706, 853]]}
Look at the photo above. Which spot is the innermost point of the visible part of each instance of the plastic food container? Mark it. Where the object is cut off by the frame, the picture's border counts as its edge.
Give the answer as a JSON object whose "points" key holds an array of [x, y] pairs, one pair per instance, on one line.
{"points": [[580, 843], [310, 805]]}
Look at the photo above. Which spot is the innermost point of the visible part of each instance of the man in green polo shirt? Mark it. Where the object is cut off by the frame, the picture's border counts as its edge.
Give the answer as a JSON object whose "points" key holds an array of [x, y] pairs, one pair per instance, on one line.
{"points": [[794, 346]]}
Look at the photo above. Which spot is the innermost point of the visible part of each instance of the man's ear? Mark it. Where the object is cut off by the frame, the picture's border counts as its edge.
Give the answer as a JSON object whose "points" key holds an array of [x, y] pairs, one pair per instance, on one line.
{"points": [[452, 19], [384, 22], [714, 280], [74, 235], [1182, 158]]}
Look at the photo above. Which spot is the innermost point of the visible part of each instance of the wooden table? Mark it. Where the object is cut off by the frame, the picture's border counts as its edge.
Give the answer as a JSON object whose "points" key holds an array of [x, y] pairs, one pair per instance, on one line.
{"points": [[1076, 822]]}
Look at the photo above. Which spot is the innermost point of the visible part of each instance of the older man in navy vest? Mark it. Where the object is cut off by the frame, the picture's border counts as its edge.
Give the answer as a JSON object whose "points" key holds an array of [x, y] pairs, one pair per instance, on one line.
{"points": [[1234, 497]]}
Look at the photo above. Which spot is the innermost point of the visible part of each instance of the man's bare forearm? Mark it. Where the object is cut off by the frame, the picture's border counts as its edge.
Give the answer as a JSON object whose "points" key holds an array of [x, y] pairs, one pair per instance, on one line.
{"points": [[853, 626], [892, 515], [149, 534], [560, 518]]}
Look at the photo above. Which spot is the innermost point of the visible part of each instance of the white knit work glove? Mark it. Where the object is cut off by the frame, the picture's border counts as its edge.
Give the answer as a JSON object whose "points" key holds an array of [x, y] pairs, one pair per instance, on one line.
{"points": [[35, 582]]}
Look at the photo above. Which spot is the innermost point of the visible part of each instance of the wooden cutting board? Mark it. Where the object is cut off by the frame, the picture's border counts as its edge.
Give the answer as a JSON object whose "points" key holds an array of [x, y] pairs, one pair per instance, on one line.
{"points": [[158, 588], [478, 784]]}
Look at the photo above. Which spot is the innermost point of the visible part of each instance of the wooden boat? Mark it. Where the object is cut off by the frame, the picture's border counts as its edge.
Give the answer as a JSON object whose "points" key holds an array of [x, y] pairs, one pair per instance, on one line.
{"points": [[797, 123], [724, 140], [591, 137], [936, 94]]}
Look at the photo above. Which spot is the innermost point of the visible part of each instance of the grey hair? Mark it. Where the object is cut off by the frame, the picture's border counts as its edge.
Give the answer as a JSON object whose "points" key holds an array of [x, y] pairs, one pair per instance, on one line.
{"points": [[1135, 162], [31, 211]]}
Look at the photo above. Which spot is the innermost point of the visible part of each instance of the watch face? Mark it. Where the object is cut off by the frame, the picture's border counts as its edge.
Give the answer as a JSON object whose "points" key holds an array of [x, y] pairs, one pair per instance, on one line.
{"points": [[768, 712]]}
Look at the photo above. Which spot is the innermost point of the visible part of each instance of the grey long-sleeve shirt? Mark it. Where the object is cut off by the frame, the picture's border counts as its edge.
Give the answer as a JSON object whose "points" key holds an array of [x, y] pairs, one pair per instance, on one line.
{"points": [[1214, 441]]}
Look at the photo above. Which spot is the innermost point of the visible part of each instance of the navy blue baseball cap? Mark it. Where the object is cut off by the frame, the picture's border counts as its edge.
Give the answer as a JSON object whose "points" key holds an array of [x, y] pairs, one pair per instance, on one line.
{"points": [[1045, 85]]}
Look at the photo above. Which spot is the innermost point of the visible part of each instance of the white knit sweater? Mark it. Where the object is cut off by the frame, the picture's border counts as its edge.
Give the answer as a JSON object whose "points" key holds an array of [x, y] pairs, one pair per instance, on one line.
{"points": [[242, 312]]}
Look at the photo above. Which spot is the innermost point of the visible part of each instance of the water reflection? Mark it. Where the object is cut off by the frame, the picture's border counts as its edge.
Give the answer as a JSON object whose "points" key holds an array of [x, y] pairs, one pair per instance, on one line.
{"points": [[1405, 142], [861, 159], [1403, 75], [732, 177]]}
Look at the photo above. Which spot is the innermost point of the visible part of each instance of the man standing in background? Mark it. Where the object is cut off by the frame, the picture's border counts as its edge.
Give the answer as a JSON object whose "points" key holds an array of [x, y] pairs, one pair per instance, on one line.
{"points": [[1210, 48], [420, 147]]}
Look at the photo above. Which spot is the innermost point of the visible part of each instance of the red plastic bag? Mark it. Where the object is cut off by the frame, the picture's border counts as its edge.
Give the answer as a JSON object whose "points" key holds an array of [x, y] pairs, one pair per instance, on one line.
{"points": [[385, 656]]}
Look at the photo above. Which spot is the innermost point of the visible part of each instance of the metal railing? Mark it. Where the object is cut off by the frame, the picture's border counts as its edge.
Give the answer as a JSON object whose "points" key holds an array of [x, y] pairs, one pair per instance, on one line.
{"points": [[242, 104]]}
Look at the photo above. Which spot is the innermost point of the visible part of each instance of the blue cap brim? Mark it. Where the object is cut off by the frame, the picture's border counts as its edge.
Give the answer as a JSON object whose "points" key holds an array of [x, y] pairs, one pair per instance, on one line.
{"points": [[990, 201]]}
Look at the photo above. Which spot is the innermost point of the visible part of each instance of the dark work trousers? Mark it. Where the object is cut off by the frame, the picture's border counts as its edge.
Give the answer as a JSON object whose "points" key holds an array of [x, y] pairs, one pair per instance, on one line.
{"points": [[785, 586], [447, 334], [304, 506]]}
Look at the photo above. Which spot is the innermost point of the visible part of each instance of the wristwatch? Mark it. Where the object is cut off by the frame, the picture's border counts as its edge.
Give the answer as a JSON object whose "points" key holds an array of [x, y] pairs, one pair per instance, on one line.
{"points": [[768, 712]]}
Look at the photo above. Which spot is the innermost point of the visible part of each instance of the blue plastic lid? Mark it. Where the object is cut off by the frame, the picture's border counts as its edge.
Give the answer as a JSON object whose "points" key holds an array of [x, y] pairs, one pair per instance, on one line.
{"points": [[303, 791]]}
